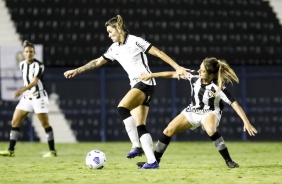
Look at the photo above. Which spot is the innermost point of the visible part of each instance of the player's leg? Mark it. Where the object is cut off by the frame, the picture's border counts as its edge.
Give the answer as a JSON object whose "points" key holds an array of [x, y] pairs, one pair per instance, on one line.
{"points": [[41, 108], [130, 101], [141, 113], [177, 125], [210, 124], [136, 114], [44, 119], [18, 117]]}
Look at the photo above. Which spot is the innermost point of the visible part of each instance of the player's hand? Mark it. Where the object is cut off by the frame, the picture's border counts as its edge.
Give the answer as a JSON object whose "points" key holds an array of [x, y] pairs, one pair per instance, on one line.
{"points": [[145, 76], [251, 130], [182, 73], [18, 93], [70, 73]]}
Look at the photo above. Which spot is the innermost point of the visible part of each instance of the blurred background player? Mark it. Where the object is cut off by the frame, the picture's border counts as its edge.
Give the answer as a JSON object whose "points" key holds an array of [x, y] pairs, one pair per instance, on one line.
{"points": [[34, 99], [207, 94], [130, 51]]}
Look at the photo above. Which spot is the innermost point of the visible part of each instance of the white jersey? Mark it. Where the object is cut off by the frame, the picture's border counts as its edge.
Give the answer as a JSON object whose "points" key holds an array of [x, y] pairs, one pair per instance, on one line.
{"points": [[204, 98], [131, 56], [29, 72]]}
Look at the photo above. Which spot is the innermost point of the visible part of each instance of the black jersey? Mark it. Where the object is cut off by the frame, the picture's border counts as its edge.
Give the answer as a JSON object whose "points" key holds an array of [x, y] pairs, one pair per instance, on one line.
{"points": [[203, 95], [29, 72]]}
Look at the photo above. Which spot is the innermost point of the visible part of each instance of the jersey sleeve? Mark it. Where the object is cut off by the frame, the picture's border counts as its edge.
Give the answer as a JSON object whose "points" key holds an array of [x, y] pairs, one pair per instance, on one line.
{"points": [[108, 55], [21, 66], [39, 69], [226, 96], [142, 44]]}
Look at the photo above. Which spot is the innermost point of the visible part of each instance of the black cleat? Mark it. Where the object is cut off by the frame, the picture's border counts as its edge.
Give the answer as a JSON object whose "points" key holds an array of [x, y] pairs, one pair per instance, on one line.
{"points": [[140, 164], [231, 164]]}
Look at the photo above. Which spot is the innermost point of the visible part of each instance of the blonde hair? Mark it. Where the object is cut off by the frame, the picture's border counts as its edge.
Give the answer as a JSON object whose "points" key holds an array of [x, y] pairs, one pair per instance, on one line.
{"points": [[117, 22], [222, 72]]}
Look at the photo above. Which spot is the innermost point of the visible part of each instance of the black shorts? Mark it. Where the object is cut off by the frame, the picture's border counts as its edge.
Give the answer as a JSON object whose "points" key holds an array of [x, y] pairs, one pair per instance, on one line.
{"points": [[148, 90]]}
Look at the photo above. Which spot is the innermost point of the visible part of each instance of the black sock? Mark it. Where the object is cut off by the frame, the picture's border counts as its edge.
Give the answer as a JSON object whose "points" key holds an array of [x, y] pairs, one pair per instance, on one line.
{"points": [[12, 145], [161, 146], [220, 145], [50, 137], [14, 135], [141, 129]]}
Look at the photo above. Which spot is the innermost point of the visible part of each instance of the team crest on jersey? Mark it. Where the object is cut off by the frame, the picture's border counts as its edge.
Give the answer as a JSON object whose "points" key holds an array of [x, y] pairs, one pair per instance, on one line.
{"points": [[211, 94]]}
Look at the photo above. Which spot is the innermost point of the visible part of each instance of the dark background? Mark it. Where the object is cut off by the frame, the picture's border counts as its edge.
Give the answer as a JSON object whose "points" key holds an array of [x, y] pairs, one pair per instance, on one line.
{"points": [[246, 34]]}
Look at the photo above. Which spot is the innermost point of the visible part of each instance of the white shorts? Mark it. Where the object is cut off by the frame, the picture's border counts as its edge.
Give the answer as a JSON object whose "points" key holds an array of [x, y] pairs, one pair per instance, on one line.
{"points": [[197, 119], [37, 105]]}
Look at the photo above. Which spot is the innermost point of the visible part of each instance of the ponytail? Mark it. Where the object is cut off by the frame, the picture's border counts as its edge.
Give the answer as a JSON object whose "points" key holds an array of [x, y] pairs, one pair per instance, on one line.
{"points": [[222, 72], [117, 22]]}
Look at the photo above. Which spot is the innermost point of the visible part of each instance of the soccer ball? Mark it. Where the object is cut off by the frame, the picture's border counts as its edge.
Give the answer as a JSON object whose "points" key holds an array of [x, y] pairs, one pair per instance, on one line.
{"points": [[95, 159]]}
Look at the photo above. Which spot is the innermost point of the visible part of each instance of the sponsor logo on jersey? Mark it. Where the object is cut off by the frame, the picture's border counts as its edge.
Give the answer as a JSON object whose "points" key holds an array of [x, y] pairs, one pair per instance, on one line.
{"points": [[138, 45]]}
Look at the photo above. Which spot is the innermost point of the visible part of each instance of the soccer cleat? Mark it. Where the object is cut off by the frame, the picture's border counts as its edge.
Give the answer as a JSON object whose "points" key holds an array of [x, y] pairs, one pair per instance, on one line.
{"points": [[7, 153], [140, 164], [135, 152], [231, 164], [154, 165], [50, 154]]}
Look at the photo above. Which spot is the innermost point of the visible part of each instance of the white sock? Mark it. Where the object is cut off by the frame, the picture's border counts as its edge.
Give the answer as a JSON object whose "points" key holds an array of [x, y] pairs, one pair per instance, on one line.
{"points": [[147, 145], [131, 129]]}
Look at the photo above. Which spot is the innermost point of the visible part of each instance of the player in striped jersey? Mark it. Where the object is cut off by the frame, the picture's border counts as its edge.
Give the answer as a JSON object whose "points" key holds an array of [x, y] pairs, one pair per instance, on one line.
{"points": [[34, 99], [130, 51], [208, 93]]}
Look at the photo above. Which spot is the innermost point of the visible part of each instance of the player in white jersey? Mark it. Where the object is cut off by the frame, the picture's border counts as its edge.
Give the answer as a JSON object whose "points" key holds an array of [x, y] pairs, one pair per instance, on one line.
{"points": [[130, 51], [34, 99], [208, 93]]}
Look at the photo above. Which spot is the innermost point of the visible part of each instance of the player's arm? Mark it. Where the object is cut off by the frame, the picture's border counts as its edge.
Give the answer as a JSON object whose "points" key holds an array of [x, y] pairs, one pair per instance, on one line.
{"points": [[247, 125], [91, 65], [29, 86], [181, 71], [168, 74]]}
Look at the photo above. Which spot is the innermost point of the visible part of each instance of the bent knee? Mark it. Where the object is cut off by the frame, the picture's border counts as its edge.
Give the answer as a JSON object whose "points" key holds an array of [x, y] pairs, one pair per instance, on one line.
{"points": [[210, 131], [169, 131], [123, 112]]}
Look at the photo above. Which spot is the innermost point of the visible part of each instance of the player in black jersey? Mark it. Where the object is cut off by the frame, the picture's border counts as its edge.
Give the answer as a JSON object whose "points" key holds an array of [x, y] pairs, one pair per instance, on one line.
{"points": [[34, 99], [208, 94]]}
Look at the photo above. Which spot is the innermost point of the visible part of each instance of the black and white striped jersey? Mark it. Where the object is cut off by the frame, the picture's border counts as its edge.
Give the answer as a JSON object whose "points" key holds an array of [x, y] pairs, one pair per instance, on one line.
{"points": [[29, 72], [203, 95], [132, 57]]}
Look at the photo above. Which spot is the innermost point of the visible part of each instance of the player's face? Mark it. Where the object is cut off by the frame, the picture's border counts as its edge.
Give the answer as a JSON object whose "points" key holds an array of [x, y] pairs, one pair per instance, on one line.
{"points": [[29, 53], [203, 73], [114, 35]]}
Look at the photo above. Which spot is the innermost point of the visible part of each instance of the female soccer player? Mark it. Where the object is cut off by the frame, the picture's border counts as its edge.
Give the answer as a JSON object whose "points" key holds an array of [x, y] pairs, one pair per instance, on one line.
{"points": [[34, 98], [208, 93], [130, 51]]}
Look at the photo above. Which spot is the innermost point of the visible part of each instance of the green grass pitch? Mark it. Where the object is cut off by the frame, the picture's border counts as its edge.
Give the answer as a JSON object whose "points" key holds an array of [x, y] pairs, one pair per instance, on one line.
{"points": [[183, 162]]}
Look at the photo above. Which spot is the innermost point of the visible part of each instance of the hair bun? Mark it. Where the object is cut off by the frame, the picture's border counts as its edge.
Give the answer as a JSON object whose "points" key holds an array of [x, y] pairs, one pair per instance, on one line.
{"points": [[25, 43]]}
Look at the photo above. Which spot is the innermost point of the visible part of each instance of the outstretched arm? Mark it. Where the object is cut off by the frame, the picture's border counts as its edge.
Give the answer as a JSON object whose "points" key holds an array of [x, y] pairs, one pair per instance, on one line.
{"points": [[247, 125], [168, 74], [91, 65], [181, 71]]}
